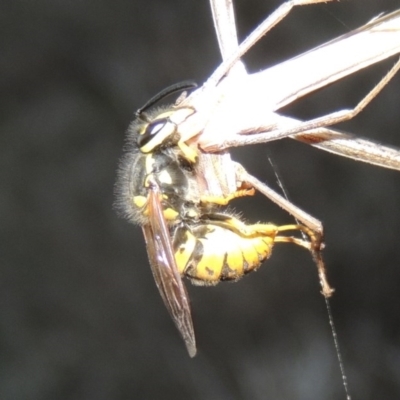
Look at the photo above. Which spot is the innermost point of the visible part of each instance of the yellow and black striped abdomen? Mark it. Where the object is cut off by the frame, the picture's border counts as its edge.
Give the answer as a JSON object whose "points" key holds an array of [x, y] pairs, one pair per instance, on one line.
{"points": [[207, 253]]}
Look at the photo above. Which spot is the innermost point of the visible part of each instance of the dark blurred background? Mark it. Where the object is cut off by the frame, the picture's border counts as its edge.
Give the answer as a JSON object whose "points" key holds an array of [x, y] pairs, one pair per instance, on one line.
{"points": [[81, 317]]}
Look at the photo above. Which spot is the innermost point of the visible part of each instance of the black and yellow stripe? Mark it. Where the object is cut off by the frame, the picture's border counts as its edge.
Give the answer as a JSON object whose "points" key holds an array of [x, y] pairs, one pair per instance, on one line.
{"points": [[208, 253]]}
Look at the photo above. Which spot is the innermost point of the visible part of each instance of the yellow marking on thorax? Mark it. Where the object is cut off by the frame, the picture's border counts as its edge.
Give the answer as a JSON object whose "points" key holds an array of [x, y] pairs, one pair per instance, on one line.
{"points": [[149, 164], [170, 214], [140, 201], [165, 177]]}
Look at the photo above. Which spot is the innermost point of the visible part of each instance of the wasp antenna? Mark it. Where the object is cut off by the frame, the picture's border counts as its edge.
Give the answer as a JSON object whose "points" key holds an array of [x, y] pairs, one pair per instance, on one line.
{"points": [[177, 87]]}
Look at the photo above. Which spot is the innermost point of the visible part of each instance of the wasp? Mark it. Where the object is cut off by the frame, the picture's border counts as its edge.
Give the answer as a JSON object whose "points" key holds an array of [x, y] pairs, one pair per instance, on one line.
{"points": [[178, 194]]}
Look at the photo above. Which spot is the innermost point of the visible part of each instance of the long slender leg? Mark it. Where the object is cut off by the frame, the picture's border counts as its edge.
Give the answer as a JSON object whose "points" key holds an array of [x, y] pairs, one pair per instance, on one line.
{"points": [[225, 26], [255, 36], [305, 218], [350, 146], [312, 227]]}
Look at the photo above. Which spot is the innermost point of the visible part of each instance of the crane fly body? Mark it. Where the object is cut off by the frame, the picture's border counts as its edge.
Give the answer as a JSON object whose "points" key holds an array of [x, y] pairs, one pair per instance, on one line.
{"points": [[177, 177]]}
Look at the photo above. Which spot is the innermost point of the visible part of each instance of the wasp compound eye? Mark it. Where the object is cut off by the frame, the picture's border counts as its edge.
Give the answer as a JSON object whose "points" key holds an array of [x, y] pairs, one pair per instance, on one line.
{"points": [[152, 129], [155, 134]]}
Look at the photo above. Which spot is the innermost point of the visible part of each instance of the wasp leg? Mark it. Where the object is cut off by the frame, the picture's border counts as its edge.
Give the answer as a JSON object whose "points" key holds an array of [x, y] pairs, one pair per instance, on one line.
{"points": [[189, 153], [223, 201], [235, 225], [315, 245]]}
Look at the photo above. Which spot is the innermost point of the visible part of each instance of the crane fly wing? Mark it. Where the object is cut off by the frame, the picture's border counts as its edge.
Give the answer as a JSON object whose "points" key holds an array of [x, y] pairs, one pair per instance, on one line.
{"points": [[165, 271], [325, 64], [281, 84]]}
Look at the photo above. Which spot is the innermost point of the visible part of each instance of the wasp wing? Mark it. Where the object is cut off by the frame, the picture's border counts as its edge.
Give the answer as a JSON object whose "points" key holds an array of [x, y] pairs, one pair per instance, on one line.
{"points": [[165, 271]]}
